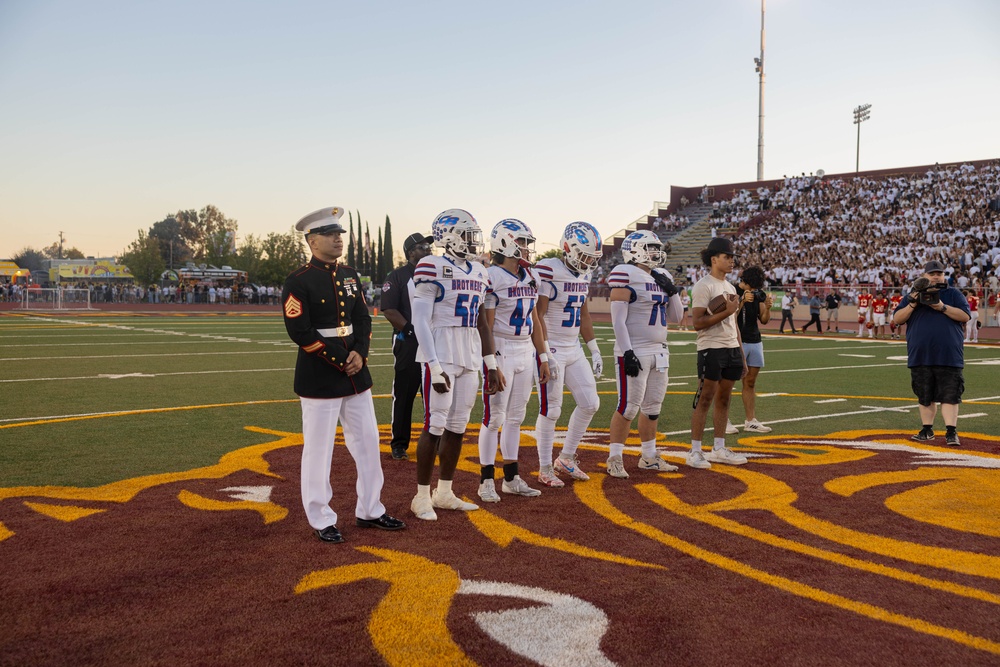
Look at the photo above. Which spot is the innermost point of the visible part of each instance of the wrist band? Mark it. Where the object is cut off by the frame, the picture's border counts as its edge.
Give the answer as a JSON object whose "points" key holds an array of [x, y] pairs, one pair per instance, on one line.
{"points": [[592, 346], [490, 361], [543, 358]]}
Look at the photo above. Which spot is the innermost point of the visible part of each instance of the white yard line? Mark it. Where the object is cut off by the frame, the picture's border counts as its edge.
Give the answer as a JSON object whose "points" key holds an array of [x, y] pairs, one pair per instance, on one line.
{"points": [[974, 414], [171, 354], [831, 400]]}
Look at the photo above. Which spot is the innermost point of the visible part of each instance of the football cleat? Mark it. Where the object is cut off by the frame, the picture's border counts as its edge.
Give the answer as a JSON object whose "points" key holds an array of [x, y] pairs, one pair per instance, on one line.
{"points": [[570, 467]]}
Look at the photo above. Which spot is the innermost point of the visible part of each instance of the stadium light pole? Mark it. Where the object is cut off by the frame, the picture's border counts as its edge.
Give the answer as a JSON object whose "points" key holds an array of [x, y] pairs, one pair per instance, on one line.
{"points": [[861, 114], [759, 62]]}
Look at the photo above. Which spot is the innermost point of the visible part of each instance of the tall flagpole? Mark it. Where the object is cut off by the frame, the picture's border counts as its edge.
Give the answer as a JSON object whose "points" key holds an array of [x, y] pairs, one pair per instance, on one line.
{"points": [[760, 116]]}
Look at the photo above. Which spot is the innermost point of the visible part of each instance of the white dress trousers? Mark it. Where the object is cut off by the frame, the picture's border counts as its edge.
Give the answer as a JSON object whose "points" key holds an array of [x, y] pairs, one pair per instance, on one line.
{"points": [[319, 426]]}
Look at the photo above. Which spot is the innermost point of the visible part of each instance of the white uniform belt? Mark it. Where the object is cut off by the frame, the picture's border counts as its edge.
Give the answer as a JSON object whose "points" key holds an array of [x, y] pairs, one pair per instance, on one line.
{"points": [[337, 331]]}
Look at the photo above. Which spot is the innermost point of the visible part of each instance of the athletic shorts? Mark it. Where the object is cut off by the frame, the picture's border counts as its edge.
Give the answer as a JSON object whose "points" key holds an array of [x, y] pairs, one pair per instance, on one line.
{"points": [[719, 363], [937, 384], [754, 354], [878, 319]]}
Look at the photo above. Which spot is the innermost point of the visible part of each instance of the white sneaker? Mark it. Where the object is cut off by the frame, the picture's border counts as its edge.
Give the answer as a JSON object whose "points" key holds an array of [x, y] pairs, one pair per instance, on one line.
{"points": [[696, 459], [519, 487], [488, 491], [726, 455], [449, 501], [571, 468], [655, 463], [730, 429], [423, 508], [756, 427], [616, 468], [547, 476]]}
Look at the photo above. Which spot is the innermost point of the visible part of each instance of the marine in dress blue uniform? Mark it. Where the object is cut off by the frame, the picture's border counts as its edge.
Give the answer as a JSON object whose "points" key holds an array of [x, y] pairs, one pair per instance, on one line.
{"points": [[326, 316]]}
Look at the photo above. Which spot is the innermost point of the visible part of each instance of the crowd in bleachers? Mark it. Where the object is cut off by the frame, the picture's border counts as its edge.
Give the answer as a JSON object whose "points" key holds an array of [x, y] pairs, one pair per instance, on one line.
{"points": [[173, 293], [865, 230]]}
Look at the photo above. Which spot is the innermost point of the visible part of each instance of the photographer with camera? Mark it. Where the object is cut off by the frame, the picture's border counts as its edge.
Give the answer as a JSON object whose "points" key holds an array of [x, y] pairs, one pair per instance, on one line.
{"points": [[936, 315], [755, 309]]}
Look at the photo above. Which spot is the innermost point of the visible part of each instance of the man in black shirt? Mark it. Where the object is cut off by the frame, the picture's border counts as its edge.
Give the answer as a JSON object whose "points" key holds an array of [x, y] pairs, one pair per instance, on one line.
{"points": [[755, 308], [396, 294], [833, 310]]}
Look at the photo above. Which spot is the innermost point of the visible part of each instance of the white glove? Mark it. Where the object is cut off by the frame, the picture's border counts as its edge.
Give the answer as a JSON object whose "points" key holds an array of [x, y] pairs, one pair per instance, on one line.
{"points": [[595, 357], [553, 367], [598, 364]]}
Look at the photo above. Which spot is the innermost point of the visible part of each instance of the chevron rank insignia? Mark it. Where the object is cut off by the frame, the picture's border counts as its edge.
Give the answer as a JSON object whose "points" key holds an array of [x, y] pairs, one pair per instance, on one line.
{"points": [[293, 307]]}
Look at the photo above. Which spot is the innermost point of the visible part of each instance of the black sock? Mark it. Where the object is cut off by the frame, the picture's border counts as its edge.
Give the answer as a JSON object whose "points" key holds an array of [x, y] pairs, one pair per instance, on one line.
{"points": [[485, 473], [929, 428], [510, 471], [951, 430]]}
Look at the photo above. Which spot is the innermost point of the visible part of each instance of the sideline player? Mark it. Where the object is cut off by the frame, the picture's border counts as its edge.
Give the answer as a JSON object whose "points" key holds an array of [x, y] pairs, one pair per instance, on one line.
{"points": [[972, 326], [880, 304], [562, 304], [894, 300], [507, 311], [453, 342], [641, 295], [864, 314], [332, 377], [720, 359]]}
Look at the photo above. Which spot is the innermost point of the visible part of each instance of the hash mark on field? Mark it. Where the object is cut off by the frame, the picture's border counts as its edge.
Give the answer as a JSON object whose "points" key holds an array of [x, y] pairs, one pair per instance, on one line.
{"points": [[831, 400], [862, 356], [974, 414]]}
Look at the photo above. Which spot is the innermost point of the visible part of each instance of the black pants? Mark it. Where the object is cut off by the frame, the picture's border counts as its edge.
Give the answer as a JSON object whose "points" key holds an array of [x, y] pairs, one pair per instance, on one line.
{"points": [[786, 315], [815, 318], [404, 390]]}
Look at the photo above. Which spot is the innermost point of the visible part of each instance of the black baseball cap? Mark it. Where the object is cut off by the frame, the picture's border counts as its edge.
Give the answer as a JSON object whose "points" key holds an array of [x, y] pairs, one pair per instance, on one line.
{"points": [[934, 266], [413, 240], [721, 245]]}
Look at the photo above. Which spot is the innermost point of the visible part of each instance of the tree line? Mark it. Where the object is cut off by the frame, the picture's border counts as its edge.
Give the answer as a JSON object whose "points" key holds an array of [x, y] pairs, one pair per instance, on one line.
{"points": [[208, 236]]}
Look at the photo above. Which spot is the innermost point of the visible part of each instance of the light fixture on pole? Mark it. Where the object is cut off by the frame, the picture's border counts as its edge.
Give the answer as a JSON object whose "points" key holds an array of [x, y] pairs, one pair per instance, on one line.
{"points": [[861, 114], [759, 68]]}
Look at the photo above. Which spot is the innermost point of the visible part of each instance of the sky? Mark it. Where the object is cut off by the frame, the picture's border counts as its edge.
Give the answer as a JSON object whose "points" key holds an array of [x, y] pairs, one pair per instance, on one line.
{"points": [[115, 114]]}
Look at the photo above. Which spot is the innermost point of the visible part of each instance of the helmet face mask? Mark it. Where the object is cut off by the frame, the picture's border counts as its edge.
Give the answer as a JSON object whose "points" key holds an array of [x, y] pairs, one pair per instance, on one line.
{"points": [[643, 248], [513, 238], [582, 247], [457, 232]]}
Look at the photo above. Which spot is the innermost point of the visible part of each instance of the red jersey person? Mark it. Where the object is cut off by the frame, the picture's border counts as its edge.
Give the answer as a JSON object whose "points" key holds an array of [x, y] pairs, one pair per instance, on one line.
{"points": [[894, 302], [972, 326], [864, 311], [880, 304]]}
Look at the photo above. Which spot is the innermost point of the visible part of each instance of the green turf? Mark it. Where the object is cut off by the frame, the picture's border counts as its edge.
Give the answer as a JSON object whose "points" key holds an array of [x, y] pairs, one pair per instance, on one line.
{"points": [[51, 366]]}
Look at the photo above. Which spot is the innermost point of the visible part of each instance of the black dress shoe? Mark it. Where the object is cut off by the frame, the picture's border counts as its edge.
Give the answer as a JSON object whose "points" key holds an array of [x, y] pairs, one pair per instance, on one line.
{"points": [[400, 455], [384, 522], [330, 534]]}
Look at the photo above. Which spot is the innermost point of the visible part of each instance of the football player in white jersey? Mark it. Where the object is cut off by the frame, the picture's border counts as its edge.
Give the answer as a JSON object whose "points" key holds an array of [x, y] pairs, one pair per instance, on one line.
{"points": [[454, 342], [562, 304], [507, 310], [643, 297]]}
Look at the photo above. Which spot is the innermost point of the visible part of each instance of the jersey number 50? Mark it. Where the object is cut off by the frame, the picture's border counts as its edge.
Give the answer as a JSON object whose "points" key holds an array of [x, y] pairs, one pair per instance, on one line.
{"points": [[467, 310]]}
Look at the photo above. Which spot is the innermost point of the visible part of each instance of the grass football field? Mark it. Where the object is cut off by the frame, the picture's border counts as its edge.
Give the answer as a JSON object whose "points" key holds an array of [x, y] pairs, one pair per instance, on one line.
{"points": [[92, 399]]}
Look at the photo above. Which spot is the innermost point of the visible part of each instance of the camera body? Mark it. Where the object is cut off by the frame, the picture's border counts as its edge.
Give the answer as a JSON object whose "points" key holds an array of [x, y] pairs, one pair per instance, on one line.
{"points": [[931, 294]]}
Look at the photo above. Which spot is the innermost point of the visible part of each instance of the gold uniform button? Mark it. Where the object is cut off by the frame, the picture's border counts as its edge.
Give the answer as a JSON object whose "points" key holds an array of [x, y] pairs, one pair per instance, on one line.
{"points": [[322, 300], [341, 303], [327, 266]]}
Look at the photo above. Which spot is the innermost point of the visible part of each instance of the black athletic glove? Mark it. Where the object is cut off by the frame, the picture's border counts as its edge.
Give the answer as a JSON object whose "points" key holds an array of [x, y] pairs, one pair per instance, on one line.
{"points": [[632, 365], [665, 283]]}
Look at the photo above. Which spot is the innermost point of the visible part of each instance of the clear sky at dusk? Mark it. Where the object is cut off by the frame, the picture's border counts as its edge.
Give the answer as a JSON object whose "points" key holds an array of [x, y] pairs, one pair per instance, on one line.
{"points": [[113, 114]]}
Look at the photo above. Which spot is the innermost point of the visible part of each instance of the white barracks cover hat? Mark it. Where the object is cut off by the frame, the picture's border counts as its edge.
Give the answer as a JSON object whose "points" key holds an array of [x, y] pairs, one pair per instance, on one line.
{"points": [[323, 221]]}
